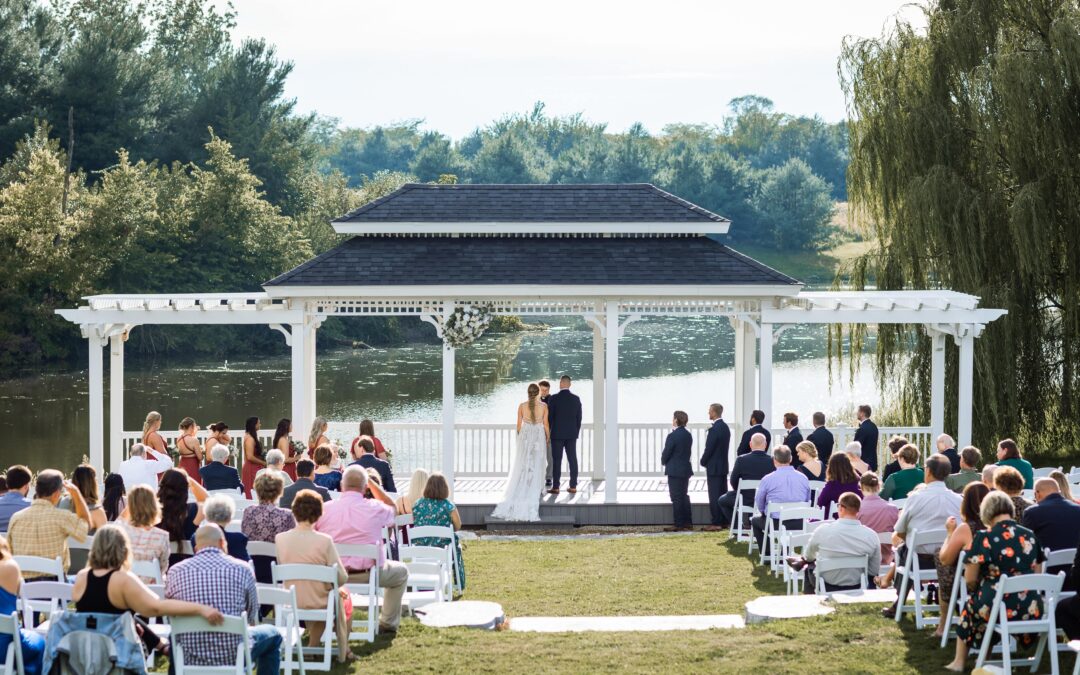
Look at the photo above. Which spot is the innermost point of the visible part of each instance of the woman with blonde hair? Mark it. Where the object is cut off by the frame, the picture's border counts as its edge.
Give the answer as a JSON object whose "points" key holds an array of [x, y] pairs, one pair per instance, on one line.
{"points": [[1063, 484], [317, 436], [147, 541], [107, 586], [416, 491], [189, 449], [810, 465], [155, 443]]}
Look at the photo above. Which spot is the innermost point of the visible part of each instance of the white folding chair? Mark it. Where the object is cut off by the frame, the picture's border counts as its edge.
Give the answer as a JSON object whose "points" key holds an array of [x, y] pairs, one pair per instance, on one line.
{"points": [[13, 663], [147, 569], [768, 541], [411, 554], [46, 566], [79, 553], [802, 514], [282, 574], [263, 548], [899, 503], [364, 595], [913, 576], [283, 600], [885, 539], [233, 625], [793, 544], [833, 564], [1044, 472], [815, 487], [957, 600], [181, 547], [420, 532], [1049, 585], [739, 532], [43, 597]]}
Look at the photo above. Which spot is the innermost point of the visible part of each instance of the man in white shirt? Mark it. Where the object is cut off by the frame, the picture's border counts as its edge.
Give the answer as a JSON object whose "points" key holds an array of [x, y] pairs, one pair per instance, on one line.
{"points": [[142, 467], [926, 509], [845, 537]]}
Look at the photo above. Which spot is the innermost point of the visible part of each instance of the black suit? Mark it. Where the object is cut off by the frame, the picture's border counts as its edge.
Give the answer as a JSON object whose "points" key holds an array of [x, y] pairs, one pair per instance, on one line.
{"points": [[793, 438], [298, 485], [370, 461], [676, 461], [954, 460], [754, 465], [867, 436], [715, 461], [744, 442], [217, 476], [1055, 521], [823, 440], [564, 418]]}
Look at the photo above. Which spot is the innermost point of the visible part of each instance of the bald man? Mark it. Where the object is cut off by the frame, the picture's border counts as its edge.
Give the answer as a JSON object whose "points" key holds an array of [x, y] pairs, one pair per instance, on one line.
{"points": [[1054, 519], [754, 465]]}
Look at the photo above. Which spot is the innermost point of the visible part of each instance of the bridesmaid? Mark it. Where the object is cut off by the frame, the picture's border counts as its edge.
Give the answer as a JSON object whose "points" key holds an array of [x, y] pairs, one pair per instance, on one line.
{"points": [[219, 435], [152, 438], [283, 442], [254, 458], [317, 436], [189, 448], [367, 428]]}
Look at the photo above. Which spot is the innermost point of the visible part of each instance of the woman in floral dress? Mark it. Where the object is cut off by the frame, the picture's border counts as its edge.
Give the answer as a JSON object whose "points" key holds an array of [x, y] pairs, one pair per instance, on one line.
{"points": [[1003, 548], [435, 508]]}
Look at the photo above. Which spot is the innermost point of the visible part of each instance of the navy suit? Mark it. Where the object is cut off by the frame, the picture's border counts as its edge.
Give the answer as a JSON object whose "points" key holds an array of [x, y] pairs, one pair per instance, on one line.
{"points": [[564, 418], [370, 461], [754, 465], [676, 461], [301, 484], [793, 438], [744, 443], [715, 461], [217, 476], [823, 440], [867, 436], [954, 460], [1055, 521]]}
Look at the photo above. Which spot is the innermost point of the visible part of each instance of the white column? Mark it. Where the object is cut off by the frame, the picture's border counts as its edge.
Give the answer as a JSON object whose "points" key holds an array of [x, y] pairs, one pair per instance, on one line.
{"points": [[937, 384], [448, 413], [744, 373], [97, 399], [309, 381], [298, 341], [116, 400], [611, 404], [598, 403], [765, 373], [967, 378]]}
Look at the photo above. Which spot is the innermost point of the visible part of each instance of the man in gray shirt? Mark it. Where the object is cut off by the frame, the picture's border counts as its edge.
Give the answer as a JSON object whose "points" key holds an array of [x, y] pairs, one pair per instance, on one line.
{"points": [[845, 537]]}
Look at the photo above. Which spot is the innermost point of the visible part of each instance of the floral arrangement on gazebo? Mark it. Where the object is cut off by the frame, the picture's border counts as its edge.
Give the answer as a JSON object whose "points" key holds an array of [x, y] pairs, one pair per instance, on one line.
{"points": [[466, 324]]}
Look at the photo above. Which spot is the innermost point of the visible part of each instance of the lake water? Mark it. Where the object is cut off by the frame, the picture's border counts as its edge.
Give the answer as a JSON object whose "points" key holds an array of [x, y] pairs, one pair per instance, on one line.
{"points": [[666, 364]]}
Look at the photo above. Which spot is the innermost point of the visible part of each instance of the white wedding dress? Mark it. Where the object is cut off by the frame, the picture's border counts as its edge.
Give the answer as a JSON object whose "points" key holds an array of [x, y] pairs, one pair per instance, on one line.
{"points": [[524, 486]]}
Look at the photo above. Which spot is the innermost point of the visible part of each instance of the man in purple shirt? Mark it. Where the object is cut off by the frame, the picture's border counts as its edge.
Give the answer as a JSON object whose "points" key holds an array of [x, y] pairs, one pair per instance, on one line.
{"points": [[783, 485], [355, 519]]}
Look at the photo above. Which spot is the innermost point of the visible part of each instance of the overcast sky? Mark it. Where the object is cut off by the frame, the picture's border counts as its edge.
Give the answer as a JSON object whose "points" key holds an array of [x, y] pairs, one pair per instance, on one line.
{"points": [[457, 65]]}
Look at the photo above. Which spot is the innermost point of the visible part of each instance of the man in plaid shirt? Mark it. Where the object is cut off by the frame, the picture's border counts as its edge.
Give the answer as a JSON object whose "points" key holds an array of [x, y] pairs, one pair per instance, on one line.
{"points": [[212, 578]]}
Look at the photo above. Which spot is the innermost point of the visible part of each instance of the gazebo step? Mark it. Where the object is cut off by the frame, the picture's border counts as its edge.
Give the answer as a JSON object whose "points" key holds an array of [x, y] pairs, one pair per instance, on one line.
{"points": [[545, 523]]}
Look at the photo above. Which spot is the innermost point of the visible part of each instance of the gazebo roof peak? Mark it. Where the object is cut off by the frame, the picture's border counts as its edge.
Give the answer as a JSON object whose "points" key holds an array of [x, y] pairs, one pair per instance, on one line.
{"points": [[515, 209]]}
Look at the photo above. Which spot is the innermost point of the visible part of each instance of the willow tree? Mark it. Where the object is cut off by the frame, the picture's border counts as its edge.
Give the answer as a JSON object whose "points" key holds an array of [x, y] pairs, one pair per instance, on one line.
{"points": [[965, 158]]}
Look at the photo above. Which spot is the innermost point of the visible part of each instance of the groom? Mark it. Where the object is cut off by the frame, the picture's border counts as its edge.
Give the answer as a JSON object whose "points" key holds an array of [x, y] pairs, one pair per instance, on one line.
{"points": [[564, 418]]}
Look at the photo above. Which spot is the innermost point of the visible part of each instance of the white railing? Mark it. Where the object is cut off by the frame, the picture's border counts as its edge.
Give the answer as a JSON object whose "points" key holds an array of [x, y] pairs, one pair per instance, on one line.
{"points": [[486, 450]]}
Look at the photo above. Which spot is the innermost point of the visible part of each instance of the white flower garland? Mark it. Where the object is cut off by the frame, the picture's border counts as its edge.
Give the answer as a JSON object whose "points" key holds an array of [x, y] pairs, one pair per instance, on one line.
{"points": [[466, 324]]}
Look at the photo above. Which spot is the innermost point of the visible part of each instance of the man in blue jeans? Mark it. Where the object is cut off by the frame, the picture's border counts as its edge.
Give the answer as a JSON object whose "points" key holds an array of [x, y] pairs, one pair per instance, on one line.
{"points": [[212, 578]]}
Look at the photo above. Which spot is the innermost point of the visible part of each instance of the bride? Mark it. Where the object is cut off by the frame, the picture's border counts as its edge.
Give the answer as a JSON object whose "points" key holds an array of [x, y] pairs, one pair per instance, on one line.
{"points": [[521, 501]]}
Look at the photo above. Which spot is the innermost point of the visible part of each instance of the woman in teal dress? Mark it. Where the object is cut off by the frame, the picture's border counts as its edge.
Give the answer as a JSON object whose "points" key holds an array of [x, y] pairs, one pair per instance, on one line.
{"points": [[435, 508], [1004, 548], [31, 643]]}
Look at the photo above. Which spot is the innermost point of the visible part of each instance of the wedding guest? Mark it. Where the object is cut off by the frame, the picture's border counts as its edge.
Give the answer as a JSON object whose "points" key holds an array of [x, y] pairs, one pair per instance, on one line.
{"points": [[822, 439], [1004, 549], [253, 453], [189, 449], [893, 444], [959, 538], [854, 454], [219, 435], [283, 442], [275, 463], [840, 477], [42, 529], [785, 484], [216, 475], [947, 446], [1063, 484], [178, 517], [220, 510], [373, 478], [867, 438], [143, 467], [415, 492], [367, 430], [325, 476], [1054, 519], [114, 501], [901, 483], [809, 464], [18, 479], [435, 508], [754, 465], [793, 436], [304, 545], [368, 460], [1008, 454], [152, 438], [265, 521], [1011, 482], [305, 473], [988, 472], [876, 513], [844, 537], [757, 419], [715, 460], [84, 477], [147, 541], [676, 462], [317, 435], [969, 469], [31, 643]]}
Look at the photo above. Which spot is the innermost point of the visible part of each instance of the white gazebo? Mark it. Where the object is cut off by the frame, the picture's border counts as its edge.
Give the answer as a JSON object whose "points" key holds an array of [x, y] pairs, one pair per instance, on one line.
{"points": [[611, 254]]}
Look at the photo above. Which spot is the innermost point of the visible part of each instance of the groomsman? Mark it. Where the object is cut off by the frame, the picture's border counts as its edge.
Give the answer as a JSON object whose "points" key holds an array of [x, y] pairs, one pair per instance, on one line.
{"points": [[676, 461], [757, 418], [715, 461], [564, 417], [545, 394], [822, 439], [867, 436], [793, 436]]}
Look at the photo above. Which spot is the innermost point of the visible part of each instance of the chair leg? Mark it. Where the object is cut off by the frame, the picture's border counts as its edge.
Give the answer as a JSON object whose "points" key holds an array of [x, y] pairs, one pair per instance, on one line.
{"points": [[917, 589], [1006, 652], [904, 583], [1036, 658]]}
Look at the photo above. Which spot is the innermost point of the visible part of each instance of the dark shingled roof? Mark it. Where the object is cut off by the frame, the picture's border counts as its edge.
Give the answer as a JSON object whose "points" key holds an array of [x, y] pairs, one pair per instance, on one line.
{"points": [[514, 260], [614, 203]]}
